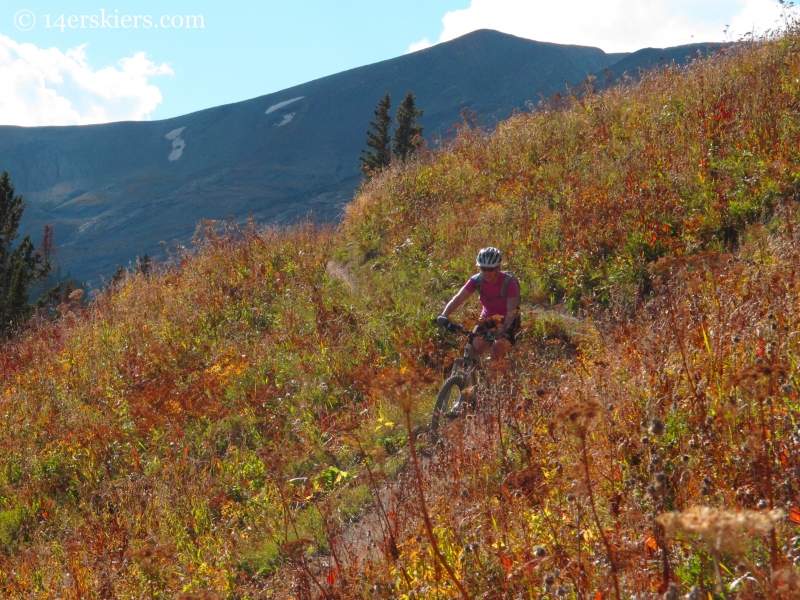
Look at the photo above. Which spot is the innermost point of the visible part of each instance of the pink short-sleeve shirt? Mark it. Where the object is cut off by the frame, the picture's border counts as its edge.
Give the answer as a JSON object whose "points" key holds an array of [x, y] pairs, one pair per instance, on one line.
{"points": [[491, 299]]}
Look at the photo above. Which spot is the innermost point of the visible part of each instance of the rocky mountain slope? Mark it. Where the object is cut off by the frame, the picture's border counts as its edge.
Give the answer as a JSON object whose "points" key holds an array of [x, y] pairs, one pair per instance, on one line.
{"points": [[116, 190]]}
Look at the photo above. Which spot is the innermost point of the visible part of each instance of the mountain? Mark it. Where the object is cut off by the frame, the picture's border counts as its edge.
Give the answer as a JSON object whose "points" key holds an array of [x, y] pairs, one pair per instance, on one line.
{"points": [[116, 190], [647, 58]]}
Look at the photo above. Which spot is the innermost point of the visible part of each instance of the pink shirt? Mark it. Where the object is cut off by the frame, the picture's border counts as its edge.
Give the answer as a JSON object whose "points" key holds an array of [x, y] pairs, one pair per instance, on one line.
{"points": [[491, 298]]}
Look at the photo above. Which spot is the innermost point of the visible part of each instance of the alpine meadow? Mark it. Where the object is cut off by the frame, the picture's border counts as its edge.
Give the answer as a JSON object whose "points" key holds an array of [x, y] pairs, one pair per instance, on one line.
{"points": [[249, 418]]}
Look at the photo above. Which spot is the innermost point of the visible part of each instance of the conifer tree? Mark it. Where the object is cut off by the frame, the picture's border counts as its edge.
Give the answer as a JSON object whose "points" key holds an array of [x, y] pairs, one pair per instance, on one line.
{"points": [[19, 267], [144, 264], [118, 276], [378, 140], [47, 249], [407, 134]]}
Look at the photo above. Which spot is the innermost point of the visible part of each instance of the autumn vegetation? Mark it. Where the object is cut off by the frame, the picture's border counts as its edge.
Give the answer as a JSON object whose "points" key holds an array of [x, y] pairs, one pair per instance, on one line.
{"points": [[223, 425]]}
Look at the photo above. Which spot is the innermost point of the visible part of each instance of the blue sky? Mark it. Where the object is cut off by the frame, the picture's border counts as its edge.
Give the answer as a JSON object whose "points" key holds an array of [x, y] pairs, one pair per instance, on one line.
{"points": [[74, 72], [246, 49]]}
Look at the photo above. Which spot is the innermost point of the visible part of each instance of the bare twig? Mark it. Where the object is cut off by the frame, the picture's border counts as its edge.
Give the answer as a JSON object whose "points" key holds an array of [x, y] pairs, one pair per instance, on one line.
{"points": [[606, 543], [425, 517]]}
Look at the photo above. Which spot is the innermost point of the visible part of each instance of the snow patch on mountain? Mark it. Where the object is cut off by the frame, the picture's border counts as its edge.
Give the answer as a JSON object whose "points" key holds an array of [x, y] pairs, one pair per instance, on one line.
{"points": [[280, 105], [286, 119], [178, 143]]}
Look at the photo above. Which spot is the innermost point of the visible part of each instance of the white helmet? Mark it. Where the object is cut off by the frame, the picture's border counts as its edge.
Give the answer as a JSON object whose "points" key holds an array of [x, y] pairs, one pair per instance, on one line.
{"points": [[489, 257]]}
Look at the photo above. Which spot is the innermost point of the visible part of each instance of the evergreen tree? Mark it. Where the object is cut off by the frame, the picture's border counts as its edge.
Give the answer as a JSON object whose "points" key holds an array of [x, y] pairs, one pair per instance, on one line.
{"points": [[47, 249], [378, 140], [407, 134], [69, 287], [118, 276], [19, 267], [144, 264]]}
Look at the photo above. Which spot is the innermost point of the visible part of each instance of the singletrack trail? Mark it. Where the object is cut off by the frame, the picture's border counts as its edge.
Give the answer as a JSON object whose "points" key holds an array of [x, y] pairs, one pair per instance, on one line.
{"points": [[361, 547], [342, 273], [356, 546]]}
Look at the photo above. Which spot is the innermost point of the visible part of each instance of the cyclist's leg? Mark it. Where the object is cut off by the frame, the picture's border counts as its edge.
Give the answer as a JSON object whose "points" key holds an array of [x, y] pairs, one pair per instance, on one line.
{"points": [[499, 349], [503, 345], [480, 345]]}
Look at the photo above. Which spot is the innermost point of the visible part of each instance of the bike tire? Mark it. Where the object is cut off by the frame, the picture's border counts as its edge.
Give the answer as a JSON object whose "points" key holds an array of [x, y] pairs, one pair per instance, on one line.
{"points": [[446, 399]]}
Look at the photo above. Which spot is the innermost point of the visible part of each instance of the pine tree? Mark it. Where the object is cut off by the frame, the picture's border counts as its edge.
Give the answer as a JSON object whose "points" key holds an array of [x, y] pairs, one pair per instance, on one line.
{"points": [[47, 249], [379, 140], [19, 267], [407, 134], [118, 276], [144, 264]]}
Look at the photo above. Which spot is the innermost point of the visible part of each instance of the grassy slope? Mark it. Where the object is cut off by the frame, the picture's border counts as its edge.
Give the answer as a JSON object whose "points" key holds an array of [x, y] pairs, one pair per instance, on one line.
{"points": [[198, 429], [583, 199]]}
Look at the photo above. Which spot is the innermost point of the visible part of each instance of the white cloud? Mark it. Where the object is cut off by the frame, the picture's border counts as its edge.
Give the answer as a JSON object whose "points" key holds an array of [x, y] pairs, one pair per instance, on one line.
{"points": [[613, 25], [421, 45], [50, 87]]}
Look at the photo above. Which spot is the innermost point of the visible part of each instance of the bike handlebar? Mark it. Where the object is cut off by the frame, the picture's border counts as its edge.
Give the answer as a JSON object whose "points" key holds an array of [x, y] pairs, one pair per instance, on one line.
{"points": [[488, 334]]}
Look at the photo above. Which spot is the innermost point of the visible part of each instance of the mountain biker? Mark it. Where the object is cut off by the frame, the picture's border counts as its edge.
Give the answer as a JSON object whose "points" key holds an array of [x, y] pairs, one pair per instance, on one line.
{"points": [[499, 295]]}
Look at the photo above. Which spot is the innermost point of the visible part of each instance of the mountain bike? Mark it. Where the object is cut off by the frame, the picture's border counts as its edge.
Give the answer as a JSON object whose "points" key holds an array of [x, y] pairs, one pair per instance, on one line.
{"points": [[458, 390]]}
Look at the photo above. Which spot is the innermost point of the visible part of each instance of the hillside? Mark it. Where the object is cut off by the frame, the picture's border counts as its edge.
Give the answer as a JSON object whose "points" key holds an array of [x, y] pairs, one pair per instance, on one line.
{"points": [[114, 191], [214, 429]]}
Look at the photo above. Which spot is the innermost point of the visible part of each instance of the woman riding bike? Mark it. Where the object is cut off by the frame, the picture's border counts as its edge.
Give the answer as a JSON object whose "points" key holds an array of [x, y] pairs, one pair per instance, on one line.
{"points": [[499, 295]]}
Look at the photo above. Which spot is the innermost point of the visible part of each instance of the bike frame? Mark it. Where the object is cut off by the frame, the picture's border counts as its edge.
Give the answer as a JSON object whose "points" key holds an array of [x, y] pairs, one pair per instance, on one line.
{"points": [[469, 362], [470, 365], [465, 375]]}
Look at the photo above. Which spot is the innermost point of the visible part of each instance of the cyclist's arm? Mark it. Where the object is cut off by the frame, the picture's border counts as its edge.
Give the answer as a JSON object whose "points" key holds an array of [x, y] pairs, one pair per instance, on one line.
{"points": [[512, 304], [456, 301]]}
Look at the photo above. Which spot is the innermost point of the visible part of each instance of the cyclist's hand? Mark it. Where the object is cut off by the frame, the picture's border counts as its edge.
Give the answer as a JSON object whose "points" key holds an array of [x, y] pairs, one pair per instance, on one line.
{"points": [[443, 321]]}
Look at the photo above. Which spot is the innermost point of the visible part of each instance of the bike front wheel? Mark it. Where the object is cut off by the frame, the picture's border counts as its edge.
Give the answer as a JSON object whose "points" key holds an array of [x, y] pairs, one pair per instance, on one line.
{"points": [[449, 397]]}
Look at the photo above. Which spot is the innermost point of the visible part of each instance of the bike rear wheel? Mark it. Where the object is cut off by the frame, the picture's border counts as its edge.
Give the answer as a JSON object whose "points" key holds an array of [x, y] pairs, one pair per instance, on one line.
{"points": [[449, 396]]}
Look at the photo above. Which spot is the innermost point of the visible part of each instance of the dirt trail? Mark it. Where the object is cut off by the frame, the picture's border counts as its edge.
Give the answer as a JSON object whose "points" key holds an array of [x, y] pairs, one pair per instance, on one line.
{"points": [[369, 539], [356, 544], [342, 273]]}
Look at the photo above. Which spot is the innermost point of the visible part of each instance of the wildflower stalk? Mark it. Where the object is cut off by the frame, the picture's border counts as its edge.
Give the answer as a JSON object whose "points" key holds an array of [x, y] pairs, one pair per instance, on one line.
{"points": [[606, 543], [662, 542], [390, 543], [578, 537], [425, 517], [287, 516], [718, 575], [333, 535], [770, 457], [685, 360], [302, 560], [773, 537], [310, 575], [500, 435]]}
